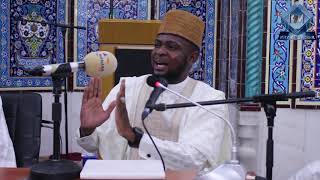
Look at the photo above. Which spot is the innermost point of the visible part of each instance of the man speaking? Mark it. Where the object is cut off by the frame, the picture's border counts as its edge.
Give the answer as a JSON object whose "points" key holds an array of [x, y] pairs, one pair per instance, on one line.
{"points": [[187, 138]]}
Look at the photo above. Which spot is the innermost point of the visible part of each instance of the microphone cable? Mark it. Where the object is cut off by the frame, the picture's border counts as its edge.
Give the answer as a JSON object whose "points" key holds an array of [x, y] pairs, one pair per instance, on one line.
{"points": [[151, 80], [154, 144]]}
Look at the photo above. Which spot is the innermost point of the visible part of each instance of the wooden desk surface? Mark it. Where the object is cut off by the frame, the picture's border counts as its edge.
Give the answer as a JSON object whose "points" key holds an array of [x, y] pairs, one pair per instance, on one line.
{"points": [[14, 173], [23, 174]]}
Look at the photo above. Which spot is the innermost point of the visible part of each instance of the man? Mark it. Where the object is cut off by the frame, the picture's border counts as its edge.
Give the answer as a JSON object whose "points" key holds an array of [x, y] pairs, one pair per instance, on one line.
{"points": [[187, 138], [7, 156]]}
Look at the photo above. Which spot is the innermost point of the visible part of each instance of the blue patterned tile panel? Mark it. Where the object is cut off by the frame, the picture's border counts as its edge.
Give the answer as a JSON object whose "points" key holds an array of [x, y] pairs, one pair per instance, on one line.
{"points": [[29, 44], [279, 50], [310, 62]]}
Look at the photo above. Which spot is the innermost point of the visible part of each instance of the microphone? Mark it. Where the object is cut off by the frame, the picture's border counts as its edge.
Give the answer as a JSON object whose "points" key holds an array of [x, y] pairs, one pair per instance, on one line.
{"points": [[151, 80], [96, 64], [232, 170]]}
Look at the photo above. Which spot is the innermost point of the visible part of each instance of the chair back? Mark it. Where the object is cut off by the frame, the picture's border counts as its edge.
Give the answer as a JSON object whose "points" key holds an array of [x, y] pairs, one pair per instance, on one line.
{"points": [[23, 112]]}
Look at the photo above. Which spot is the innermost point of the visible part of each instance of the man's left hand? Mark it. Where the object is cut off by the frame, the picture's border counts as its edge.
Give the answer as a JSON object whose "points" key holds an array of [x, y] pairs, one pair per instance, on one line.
{"points": [[122, 121]]}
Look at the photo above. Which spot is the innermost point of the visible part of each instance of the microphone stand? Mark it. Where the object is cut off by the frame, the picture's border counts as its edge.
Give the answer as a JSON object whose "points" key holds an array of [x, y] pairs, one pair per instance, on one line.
{"points": [[64, 28], [268, 101], [111, 10], [270, 109], [153, 9], [55, 168]]}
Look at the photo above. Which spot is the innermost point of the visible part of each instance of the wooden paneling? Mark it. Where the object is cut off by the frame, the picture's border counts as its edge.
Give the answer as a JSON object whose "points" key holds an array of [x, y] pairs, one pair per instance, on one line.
{"points": [[117, 31], [133, 34]]}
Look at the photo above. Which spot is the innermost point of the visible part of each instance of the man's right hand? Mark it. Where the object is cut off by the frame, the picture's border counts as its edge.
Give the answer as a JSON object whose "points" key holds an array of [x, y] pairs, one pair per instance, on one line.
{"points": [[92, 114]]}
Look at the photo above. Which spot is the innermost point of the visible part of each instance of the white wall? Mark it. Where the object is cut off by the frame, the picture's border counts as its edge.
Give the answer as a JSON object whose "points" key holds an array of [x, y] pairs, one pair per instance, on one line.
{"points": [[296, 134]]}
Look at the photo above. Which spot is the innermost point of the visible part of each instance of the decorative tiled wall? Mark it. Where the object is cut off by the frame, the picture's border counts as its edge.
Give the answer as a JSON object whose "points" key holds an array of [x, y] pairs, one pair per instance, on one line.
{"points": [[279, 50], [89, 12], [308, 66], [301, 62], [29, 44]]}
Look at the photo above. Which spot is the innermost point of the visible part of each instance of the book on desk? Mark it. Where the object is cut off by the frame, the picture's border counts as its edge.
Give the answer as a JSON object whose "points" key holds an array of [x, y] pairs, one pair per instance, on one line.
{"points": [[122, 169]]}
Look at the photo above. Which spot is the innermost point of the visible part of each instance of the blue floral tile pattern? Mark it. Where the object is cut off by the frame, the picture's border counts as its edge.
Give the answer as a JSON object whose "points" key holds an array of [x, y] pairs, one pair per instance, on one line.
{"points": [[308, 71], [29, 44], [279, 50], [310, 62]]}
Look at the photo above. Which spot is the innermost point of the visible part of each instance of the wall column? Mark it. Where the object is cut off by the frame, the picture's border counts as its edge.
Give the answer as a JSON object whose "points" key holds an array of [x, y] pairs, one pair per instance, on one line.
{"points": [[254, 47]]}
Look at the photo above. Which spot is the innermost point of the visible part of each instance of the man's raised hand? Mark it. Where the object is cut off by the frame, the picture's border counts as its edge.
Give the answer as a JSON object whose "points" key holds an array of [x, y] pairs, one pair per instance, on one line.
{"points": [[92, 114]]}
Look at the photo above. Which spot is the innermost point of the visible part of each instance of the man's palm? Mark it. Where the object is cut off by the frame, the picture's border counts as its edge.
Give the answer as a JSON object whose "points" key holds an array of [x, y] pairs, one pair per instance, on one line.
{"points": [[92, 114]]}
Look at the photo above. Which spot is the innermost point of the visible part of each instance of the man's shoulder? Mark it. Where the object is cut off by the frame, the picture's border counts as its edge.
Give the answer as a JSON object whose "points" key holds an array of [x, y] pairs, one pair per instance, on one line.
{"points": [[207, 90]]}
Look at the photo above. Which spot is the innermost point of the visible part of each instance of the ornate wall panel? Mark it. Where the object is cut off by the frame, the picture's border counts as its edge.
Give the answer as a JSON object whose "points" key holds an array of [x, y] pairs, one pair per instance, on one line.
{"points": [[29, 44], [317, 60], [280, 67], [279, 52], [205, 9], [88, 13], [254, 47], [308, 66]]}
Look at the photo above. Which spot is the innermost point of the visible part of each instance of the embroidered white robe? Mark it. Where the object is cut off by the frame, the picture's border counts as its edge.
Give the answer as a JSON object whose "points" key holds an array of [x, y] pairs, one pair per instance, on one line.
{"points": [[202, 140]]}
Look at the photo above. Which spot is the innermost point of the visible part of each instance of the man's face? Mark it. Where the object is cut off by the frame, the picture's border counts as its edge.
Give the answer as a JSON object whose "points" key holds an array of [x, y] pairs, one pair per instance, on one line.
{"points": [[171, 57]]}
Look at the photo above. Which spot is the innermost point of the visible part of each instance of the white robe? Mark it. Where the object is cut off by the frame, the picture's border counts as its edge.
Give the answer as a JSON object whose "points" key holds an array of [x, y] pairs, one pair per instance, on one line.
{"points": [[7, 156], [203, 140], [309, 172]]}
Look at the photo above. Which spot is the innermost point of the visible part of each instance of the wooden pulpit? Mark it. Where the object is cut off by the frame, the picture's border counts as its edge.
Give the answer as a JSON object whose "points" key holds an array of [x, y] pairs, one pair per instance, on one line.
{"points": [[130, 35]]}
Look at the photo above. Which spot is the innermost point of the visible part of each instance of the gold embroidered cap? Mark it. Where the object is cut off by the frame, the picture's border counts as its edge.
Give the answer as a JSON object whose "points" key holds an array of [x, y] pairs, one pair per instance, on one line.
{"points": [[183, 24]]}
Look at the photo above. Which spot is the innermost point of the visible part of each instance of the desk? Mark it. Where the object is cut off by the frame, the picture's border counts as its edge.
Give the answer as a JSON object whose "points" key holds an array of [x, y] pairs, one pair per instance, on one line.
{"points": [[23, 174]]}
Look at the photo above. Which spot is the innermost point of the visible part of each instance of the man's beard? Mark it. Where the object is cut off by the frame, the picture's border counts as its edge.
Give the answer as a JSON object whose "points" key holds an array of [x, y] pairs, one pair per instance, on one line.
{"points": [[174, 76]]}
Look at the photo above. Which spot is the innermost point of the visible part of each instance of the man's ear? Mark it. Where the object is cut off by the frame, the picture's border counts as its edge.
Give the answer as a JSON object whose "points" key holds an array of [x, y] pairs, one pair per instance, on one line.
{"points": [[194, 56]]}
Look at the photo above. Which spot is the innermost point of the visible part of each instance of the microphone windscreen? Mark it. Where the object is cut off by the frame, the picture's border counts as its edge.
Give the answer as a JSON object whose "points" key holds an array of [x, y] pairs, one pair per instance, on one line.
{"points": [[100, 63], [151, 80], [164, 82]]}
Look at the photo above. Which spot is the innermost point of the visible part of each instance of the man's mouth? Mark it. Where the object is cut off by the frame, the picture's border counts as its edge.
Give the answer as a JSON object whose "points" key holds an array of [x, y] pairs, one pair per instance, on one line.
{"points": [[160, 65]]}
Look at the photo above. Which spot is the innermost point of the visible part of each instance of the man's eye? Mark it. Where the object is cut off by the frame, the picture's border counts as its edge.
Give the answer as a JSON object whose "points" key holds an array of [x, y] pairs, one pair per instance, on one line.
{"points": [[172, 47], [157, 44]]}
